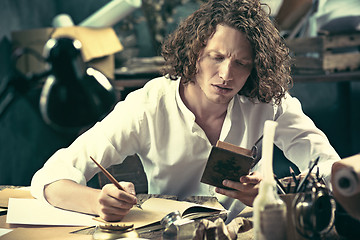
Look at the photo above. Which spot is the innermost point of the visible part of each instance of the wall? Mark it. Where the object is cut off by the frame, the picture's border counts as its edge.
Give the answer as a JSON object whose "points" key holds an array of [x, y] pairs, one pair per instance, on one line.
{"points": [[26, 141], [334, 109]]}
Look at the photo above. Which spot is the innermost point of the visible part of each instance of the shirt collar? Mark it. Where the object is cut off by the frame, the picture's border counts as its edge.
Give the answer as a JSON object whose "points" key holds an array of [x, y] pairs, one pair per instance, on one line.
{"points": [[189, 116], [227, 121], [184, 110]]}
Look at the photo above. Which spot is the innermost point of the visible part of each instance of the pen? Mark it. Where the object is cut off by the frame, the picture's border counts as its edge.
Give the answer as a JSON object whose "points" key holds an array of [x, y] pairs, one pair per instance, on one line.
{"points": [[279, 185], [111, 178], [302, 183], [294, 177]]}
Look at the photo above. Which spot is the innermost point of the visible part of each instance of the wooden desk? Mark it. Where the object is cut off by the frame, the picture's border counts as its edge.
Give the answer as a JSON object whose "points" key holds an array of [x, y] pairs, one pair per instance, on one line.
{"points": [[38, 232], [81, 233], [41, 232]]}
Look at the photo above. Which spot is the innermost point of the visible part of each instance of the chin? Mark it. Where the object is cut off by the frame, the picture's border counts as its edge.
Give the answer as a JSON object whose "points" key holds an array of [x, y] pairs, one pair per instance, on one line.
{"points": [[222, 100]]}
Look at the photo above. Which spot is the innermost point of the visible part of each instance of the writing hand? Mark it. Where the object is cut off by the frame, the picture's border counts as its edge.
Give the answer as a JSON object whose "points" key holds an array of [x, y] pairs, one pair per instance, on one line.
{"points": [[115, 203], [245, 190]]}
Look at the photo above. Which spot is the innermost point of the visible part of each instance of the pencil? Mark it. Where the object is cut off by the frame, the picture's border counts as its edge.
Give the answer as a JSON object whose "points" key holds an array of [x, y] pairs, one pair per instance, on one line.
{"points": [[305, 179], [279, 185], [111, 178], [293, 175]]}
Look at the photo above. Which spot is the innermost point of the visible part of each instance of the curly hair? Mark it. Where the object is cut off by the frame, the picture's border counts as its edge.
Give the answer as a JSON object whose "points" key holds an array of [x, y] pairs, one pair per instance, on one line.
{"points": [[270, 77]]}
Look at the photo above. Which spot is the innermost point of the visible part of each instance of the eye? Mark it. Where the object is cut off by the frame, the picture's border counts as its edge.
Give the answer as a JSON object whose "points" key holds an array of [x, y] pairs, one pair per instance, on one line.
{"points": [[217, 58], [239, 63]]}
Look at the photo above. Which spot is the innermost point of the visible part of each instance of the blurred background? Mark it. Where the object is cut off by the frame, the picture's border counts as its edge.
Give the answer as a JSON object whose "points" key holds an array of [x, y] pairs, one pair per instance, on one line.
{"points": [[330, 96]]}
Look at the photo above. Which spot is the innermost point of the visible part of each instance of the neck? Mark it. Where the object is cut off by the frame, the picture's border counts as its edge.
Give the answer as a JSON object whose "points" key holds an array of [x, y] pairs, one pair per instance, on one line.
{"points": [[199, 105]]}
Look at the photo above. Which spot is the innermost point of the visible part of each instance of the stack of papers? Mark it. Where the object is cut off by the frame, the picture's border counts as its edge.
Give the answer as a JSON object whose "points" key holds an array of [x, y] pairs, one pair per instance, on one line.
{"points": [[35, 212]]}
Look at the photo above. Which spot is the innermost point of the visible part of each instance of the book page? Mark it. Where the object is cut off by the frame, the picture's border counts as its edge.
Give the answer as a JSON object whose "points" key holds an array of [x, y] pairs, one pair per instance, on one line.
{"points": [[233, 148], [154, 209]]}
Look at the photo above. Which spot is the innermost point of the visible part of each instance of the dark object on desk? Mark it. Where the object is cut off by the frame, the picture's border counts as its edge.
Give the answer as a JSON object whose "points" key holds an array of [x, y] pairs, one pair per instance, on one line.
{"points": [[314, 210], [345, 175], [345, 225]]}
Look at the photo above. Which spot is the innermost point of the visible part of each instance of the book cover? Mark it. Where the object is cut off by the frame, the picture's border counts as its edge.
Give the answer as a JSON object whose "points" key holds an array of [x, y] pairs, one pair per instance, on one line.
{"points": [[226, 161]]}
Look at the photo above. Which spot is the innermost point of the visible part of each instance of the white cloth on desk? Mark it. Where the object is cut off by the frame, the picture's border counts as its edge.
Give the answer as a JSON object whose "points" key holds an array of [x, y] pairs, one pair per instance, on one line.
{"points": [[154, 123]]}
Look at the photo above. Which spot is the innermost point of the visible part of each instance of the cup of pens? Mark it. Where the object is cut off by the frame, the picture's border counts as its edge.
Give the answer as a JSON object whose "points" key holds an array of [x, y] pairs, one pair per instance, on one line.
{"points": [[291, 232], [310, 206], [288, 186]]}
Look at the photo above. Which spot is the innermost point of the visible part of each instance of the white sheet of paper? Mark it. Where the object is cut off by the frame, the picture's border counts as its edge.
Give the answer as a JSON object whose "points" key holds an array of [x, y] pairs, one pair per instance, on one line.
{"points": [[35, 212], [4, 231]]}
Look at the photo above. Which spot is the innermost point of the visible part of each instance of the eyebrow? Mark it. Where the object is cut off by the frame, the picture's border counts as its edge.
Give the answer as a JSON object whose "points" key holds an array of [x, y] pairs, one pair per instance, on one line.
{"points": [[246, 59]]}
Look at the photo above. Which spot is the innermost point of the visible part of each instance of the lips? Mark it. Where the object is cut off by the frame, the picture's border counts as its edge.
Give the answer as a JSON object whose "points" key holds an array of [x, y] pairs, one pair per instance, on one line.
{"points": [[222, 88]]}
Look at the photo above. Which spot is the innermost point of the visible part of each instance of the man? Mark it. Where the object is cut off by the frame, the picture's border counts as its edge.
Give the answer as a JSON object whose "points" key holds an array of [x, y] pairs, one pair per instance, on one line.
{"points": [[229, 72]]}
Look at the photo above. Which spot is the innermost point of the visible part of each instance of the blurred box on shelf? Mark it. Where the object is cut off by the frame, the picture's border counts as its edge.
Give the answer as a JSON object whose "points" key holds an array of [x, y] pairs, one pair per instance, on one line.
{"points": [[325, 54], [98, 47]]}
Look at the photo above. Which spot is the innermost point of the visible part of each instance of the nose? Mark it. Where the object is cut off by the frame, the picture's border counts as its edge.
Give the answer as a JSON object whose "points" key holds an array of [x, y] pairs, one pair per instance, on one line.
{"points": [[225, 71]]}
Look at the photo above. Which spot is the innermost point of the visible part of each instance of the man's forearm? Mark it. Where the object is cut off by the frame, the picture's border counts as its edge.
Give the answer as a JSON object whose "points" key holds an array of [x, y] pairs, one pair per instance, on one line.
{"points": [[69, 195]]}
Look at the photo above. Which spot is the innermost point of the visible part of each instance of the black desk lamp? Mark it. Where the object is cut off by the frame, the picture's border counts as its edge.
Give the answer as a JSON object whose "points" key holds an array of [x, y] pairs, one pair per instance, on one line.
{"points": [[73, 95]]}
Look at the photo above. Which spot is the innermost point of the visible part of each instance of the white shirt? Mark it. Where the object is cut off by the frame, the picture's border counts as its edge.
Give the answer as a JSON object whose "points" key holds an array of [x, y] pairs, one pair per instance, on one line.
{"points": [[154, 123]]}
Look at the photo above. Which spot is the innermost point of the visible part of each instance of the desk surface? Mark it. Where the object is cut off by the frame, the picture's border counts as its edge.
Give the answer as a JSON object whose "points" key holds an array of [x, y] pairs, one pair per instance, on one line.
{"points": [[85, 233], [62, 232]]}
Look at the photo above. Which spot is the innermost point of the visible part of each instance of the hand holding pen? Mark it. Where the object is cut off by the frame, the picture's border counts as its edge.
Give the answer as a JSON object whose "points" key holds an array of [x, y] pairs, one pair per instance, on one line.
{"points": [[115, 204]]}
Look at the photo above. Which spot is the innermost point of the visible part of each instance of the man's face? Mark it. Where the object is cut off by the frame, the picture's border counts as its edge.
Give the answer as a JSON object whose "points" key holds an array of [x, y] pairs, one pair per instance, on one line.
{"points": [[224, 64]]}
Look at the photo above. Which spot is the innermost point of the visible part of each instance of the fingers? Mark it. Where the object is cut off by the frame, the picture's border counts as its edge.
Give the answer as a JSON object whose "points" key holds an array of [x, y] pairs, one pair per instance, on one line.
{"points": [[246, 197], [245, 190], [129, 187], [112, 212], [252, 178], [121, 195], [246, 183], [238, 188], [242, 187], [114, 204]]}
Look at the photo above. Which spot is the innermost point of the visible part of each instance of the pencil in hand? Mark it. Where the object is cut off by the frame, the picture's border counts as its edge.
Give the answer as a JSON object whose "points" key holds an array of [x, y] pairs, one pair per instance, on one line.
{"points": [[111, 178]]}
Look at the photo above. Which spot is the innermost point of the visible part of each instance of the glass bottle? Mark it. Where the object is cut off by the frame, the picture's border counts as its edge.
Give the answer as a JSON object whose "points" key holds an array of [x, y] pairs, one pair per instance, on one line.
{"points": [[269, 213], [269, 209]]}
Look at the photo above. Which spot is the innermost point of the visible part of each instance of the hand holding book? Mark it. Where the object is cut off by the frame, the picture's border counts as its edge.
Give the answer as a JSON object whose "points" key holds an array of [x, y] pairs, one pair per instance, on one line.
{"points": [[227, 161]]}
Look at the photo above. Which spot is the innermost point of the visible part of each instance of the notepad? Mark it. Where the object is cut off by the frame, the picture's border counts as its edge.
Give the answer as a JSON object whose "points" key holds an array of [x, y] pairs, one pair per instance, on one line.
{"points": [[154, 209], [4, 231]]}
